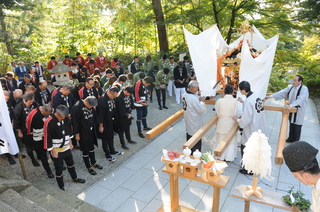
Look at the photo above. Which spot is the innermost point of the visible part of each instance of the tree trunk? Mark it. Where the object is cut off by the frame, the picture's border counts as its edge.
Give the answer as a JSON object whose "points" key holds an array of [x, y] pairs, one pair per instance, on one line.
{"points": [[215, 14], [5, 35], [232, 22], [162, 31]]}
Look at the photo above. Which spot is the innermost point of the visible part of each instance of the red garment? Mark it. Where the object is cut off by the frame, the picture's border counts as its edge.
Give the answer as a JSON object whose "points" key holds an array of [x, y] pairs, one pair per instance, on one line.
{"points": [[67, 62], [91, 66], [51, 64], [102, 62], [81, 93], [53, 93], [80, 60], [113, 64], [87, 59], [29, 120]]}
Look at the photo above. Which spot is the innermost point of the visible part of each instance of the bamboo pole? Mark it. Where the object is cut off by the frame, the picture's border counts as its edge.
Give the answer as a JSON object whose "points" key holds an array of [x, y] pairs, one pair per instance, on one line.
{"points": [[163, 125], [226, 140]]}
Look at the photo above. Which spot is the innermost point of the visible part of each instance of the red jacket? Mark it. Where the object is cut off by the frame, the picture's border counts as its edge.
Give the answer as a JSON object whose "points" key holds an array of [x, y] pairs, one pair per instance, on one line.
{"points": [[91, 66], [51, 64], [80, 60], [102, 62], [67, 62]]}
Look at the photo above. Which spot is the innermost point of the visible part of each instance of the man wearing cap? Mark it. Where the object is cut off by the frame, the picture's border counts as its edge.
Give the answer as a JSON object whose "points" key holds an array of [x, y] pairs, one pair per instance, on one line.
{"points": [[297, 95], [300, 157]]}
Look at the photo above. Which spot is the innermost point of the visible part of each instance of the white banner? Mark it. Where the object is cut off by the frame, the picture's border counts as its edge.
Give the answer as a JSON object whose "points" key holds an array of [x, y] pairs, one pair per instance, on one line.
{"points": [[8, 143], [203, 54]]}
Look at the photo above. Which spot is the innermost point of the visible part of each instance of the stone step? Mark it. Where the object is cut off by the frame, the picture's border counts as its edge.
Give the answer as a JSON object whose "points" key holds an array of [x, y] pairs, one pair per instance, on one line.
{"points": [[8, 175], [7, 208], [16, 185], [64, 197], [45, 200], [20, 203]]}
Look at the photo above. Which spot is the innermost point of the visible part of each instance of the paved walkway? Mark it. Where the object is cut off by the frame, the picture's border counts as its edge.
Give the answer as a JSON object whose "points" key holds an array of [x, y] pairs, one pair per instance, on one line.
{"points": [[139, 184]]}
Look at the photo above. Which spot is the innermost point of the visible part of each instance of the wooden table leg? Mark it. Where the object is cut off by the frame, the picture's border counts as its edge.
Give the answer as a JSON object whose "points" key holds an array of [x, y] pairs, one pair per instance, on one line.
{"points": [[246, 206], [174, 192], [216, 199]]}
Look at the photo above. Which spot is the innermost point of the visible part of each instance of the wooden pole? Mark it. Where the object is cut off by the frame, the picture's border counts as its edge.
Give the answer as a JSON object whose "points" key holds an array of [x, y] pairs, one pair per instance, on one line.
{"points": [[282, 138], [226, 140], [163, 125], [22, 166], [174, 192], [201, 132]]}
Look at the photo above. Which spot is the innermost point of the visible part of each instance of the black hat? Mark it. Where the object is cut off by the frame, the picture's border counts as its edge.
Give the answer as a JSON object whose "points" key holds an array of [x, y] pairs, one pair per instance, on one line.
{"points": [[299, 155]]}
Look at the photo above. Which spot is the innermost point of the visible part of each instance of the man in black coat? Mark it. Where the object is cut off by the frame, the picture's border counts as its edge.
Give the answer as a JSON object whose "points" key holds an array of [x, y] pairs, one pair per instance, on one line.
{"points": [[106, 110], [34, 125], [84, 120], [26, 82], [11, 82], [88, 89], [21, 112], [124, 106], [57, 134], [180, 80], [63, 97], [42, 93]]}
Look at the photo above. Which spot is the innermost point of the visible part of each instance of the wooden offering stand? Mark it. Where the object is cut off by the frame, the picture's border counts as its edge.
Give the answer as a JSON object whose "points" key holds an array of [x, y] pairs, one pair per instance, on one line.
{"points": [[254, 189], [191, 173]]}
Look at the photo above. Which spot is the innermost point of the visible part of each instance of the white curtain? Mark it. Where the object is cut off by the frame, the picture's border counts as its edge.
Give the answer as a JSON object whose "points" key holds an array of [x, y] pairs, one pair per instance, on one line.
{"points": [[256, 70], [8, 143], [205, 46], [202, 49]]}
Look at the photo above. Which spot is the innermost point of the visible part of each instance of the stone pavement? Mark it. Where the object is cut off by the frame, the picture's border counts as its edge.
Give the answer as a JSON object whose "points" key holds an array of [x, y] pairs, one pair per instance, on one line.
{"points": [[139, 184]]}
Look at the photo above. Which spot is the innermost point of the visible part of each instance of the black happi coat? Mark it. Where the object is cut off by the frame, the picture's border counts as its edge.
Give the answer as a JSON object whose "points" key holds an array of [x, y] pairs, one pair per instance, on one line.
{"points": [[84, 92], [42, 98], [53, 129], [105, 112], [124, 106], [83, 121], [20, 115]]}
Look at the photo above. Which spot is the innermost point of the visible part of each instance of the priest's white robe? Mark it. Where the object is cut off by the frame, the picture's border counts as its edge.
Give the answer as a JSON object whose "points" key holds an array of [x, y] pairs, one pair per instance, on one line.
{"points": [[225, 109]]}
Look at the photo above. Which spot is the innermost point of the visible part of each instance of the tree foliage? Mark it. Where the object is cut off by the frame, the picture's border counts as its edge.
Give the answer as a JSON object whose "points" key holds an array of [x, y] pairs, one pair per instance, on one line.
{"points": [[38, 29]]}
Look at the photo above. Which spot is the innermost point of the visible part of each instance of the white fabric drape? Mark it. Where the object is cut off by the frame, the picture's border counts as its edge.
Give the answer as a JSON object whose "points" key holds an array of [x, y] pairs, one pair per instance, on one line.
{"points": [[205, 46], [202, 49], [8, 143], [256, 70]]}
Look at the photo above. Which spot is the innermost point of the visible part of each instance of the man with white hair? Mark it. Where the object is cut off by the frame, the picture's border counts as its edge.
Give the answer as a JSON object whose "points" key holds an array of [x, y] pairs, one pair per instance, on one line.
{"points": [[194, 107], [57, 140]]}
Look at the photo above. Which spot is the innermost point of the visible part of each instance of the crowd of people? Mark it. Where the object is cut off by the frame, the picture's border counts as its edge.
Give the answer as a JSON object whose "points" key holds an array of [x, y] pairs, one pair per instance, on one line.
{"points": [[97, 104]]}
